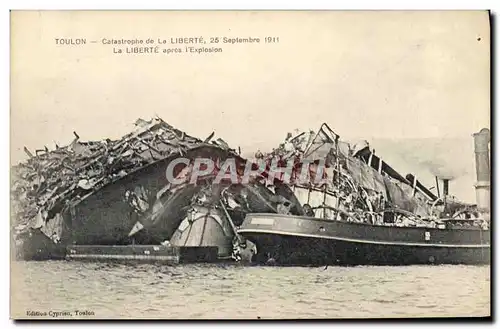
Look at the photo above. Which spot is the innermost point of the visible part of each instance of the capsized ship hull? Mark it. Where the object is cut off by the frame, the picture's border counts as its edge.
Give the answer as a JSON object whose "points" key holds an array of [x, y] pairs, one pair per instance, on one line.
{"points": [[298, 240]]}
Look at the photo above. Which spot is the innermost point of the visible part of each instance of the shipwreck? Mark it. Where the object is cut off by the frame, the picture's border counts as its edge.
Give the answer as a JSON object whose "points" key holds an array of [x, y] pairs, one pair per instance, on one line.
{"points": [[96, 193], [114, 193], [115, 199], [365, 212]]}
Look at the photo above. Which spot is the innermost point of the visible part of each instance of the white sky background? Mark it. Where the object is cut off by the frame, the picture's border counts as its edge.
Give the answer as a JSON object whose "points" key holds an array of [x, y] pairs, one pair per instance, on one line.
{"points": [[367, 74]]}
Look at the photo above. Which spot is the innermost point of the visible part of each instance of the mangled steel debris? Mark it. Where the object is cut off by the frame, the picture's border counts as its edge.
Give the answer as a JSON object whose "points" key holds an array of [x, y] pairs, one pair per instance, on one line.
{"points": [[118, 192], [361, 211], [360, 187], [46, 184]]}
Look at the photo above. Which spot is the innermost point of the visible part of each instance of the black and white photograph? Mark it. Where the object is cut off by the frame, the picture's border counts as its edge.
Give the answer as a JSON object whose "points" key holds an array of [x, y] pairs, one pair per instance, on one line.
{"points": [[250, 165]]}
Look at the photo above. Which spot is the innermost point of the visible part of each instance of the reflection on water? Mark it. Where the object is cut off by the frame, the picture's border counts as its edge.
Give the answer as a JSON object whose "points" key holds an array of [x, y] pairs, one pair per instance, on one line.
{"points": [[234, 291]]}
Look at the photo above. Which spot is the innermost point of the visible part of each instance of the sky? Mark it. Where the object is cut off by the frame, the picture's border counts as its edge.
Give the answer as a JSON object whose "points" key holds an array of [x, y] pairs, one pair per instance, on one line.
{"points": [[372, 75]]}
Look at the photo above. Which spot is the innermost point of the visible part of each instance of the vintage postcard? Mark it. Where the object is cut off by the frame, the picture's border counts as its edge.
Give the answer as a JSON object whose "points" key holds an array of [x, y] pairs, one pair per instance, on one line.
{"points": [[250, 164]]}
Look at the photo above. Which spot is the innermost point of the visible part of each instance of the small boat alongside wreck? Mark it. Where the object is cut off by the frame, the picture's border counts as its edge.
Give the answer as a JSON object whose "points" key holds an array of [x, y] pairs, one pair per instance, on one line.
{"points": [[387, 219], [292, 240]]}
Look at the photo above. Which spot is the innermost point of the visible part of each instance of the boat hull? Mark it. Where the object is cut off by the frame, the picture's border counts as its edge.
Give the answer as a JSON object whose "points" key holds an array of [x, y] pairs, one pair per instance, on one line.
{"points": [[295, 240]]}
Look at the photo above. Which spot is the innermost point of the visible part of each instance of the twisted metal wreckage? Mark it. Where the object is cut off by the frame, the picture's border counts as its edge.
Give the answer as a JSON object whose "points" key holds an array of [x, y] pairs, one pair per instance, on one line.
{"points": [[116, 192], [361, 187]]}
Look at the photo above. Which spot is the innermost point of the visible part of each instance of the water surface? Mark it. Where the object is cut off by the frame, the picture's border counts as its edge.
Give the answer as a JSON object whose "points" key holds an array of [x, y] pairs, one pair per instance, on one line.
{"points": [[235, 291]]}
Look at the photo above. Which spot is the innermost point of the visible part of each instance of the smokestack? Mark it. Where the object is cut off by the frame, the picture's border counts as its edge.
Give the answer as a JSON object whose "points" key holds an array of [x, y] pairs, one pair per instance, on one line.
{"points": [[446, 186], [482, 153], [437, 187]]}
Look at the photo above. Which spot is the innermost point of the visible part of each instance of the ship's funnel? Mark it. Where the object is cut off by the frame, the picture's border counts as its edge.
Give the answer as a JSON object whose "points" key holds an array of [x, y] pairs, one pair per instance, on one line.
{"points": [[482, 152], [446, 186]]}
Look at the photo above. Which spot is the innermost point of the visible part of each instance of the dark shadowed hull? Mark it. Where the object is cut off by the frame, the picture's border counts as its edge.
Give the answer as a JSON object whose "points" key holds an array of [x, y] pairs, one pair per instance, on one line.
{"points": [[106, 217], [294, 240], [37, 246]]}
